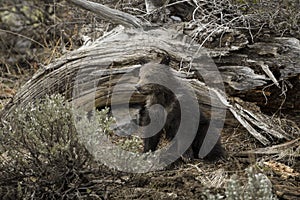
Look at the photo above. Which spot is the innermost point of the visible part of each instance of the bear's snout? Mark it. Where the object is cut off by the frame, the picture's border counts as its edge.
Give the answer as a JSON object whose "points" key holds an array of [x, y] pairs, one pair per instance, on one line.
{"points": [[143, 89], [138, 87]]}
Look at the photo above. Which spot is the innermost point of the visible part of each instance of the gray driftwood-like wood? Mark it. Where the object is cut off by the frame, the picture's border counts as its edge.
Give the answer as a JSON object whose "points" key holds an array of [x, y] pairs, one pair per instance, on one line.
{"points": [[109, 14], [88, 76], [103, 63]]}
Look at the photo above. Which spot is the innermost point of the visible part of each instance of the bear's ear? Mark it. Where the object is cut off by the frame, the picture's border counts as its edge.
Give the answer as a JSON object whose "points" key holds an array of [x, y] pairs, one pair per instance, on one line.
{"points": [[165, 60], [142, 61]]}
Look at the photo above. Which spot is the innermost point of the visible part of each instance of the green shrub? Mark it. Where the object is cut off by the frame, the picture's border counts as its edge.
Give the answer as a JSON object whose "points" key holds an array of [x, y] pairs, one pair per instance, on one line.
{"points": [[40, 153], [258, 187]]}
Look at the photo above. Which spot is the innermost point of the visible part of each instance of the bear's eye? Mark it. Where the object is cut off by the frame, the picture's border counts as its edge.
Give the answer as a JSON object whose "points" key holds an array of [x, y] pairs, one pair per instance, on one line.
{"points": [[147, 76]]}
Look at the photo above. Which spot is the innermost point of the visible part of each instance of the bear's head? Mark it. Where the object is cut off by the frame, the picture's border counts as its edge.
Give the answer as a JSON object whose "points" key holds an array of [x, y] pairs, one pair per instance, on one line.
{"points": [[155, 79]]}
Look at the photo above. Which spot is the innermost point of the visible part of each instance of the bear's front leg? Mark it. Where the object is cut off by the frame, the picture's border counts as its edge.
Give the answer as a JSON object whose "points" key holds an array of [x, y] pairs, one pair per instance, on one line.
{"points": [[150, 143], [153, 120]]}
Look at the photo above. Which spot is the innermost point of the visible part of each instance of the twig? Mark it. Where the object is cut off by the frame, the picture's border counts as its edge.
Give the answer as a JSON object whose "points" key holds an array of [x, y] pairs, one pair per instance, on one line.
{"points": [[23, 36]]}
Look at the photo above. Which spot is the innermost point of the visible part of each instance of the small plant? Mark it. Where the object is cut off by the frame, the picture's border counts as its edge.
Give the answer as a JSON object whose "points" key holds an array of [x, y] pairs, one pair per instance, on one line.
{"points": [[258, 187], [105, 121], [118, 153]]}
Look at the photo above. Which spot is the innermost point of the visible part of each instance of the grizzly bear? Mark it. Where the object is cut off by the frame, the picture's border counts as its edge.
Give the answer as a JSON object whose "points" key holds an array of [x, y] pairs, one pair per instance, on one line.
{"points": [[163, 109]]}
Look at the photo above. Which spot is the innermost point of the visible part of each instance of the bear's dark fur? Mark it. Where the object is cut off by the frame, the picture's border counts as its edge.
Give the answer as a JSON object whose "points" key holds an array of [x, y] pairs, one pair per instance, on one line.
{"points": [[157, 94]]}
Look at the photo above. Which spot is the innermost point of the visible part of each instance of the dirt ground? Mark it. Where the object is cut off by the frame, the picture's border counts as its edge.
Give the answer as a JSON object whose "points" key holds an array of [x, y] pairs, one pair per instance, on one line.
{"points": [[198, 179]]}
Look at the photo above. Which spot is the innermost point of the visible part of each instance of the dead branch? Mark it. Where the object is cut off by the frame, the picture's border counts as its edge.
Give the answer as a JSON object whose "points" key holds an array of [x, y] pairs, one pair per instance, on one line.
{"points": [[116, 16], [271, 150]]}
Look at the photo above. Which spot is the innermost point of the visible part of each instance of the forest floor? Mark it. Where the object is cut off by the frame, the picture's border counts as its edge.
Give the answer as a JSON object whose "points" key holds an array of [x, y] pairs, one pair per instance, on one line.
{"points": [[59, 33]]}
